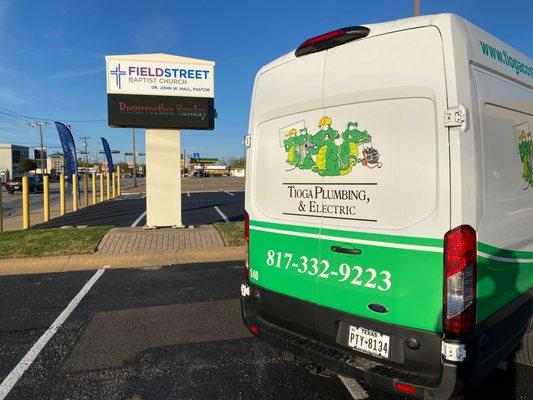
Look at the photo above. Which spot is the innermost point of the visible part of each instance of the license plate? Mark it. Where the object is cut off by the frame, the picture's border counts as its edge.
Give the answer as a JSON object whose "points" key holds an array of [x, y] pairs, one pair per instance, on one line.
{"points": [[16, 187], [369, 342]]}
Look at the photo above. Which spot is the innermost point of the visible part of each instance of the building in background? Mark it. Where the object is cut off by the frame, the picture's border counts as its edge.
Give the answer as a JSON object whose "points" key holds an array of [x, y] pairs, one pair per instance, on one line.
{"points": [[55, 164], [10, 156]]}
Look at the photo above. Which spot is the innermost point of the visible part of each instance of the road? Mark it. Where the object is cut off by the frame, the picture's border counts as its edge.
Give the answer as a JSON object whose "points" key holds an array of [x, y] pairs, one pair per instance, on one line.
{"points": [[159, 333], [197, 209]]}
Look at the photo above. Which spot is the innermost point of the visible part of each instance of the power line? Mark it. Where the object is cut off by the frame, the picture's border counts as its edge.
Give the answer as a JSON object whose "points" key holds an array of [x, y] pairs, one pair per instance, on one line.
{"points": [[29, 117]]}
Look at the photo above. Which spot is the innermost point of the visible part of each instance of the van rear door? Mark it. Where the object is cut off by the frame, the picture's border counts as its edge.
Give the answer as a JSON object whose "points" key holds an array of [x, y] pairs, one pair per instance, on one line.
{"points": [[287, 104], [386, 202]]}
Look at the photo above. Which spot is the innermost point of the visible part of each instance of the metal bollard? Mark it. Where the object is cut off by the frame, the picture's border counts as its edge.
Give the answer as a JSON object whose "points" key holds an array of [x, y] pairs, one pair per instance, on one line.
{"points": [[1, 210], [86, 189], [74, 192], [119, 190], [25, 203], [62, 202], [108, 186], [101, 186], [113, 185], [93, 186], [46, 199]]}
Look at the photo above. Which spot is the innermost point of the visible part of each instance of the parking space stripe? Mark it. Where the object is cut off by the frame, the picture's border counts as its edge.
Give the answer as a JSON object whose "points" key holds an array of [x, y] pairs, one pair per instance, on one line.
{"points": [[221, 214], [231, 194], [356, 391], [136, 222], [13, 377]]}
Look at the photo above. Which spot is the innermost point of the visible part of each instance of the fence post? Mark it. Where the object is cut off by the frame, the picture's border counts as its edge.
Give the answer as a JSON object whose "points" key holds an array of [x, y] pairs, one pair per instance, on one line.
{"points": [[25, 203], [62, 202], [74, 192], [46, 198]]}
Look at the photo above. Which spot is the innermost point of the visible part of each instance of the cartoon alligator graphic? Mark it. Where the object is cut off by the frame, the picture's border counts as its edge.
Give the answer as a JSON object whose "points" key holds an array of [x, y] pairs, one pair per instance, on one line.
{"points": [[321, 153], [525, 149]]}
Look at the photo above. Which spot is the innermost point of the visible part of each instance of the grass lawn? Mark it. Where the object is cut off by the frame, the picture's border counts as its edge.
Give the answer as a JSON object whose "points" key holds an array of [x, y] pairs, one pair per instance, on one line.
{"points": [[50, 242], [232, 232]]}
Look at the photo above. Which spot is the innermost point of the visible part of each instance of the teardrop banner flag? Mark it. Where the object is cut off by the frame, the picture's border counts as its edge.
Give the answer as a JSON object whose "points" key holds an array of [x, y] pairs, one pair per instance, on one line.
{"points": [[108, 156], [69, 152]]}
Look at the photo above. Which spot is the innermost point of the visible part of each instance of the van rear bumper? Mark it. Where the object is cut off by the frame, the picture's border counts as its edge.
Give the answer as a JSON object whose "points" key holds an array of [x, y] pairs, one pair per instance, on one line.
{"points": [[454, 377]]}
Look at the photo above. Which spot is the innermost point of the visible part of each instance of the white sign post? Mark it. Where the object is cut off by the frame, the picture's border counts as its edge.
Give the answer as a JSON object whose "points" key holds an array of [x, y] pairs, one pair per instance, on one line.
{"points": [[161, 93]]}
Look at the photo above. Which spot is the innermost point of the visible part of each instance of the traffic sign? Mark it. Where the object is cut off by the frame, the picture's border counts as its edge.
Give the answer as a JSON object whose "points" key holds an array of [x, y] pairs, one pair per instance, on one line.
{"points": [[196, 155]]}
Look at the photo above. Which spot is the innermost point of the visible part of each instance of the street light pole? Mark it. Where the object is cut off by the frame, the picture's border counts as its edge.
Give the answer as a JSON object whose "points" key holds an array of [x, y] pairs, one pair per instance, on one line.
{"points": [[417, 8]]}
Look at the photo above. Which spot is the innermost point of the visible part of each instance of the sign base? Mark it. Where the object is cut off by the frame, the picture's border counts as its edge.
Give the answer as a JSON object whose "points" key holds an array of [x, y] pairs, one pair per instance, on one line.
{"points": [[163, 178]]}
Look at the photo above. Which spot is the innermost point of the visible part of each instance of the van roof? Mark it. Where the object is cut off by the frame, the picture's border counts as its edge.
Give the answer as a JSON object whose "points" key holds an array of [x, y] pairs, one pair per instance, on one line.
{"points": [[483, 49]]}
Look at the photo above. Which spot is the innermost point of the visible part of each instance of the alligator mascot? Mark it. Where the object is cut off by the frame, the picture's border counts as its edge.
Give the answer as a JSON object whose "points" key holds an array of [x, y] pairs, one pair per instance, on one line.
{"points": [[349, 149], [327, 156]]}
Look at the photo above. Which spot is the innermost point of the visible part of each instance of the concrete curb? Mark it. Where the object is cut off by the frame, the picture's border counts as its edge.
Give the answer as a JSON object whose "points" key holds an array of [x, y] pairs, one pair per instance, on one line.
{"points": [[22, 266]]}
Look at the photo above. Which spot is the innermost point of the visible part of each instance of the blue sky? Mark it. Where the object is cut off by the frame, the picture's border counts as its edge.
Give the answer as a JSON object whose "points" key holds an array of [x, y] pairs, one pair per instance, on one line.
{"points": [[52, 53]]}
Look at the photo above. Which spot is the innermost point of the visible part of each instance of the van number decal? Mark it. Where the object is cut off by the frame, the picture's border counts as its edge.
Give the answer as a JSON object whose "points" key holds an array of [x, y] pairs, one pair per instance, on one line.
{"points": [[352, 274]]}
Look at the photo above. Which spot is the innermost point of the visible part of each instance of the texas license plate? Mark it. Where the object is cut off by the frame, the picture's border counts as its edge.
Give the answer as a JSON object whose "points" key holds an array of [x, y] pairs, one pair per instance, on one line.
{"points": [[369, 342]]}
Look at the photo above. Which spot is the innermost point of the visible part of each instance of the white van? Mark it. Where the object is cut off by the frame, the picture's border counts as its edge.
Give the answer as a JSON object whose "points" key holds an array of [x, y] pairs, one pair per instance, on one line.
{"points": [[389, 200]]}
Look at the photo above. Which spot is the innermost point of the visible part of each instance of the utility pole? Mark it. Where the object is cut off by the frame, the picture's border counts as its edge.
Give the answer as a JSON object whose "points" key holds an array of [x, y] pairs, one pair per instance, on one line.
{"points": [[85, 140], [417, 8], [86, 175], [40, 124], [134, 159]]}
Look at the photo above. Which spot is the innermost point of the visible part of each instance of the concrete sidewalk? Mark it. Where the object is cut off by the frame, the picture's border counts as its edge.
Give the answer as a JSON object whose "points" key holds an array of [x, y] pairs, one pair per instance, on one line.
{"points": [[135, 248], [139, 240]]}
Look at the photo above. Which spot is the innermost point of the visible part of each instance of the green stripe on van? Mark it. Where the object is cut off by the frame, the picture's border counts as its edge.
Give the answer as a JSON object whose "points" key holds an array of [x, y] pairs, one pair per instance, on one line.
{"points": [[409, 240], [498, 252]]}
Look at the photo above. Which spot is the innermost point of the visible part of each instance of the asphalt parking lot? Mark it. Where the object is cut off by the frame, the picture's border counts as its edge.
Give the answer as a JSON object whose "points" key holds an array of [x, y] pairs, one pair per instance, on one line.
{"points": [[198, 208], [157, 333]]}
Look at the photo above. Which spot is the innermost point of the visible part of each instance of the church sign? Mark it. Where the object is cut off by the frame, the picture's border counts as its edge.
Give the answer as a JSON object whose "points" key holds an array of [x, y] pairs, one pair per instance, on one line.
{"points": [[160, 91]]}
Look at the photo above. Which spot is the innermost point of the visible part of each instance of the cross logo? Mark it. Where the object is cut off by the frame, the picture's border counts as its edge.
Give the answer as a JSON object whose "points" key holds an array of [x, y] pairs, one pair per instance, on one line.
{"points": [[118, 74]]}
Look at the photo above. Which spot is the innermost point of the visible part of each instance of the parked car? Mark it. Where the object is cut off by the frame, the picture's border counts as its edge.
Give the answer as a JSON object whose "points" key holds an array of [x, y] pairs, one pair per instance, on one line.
{"points": [[202, 174], [35, 184]]}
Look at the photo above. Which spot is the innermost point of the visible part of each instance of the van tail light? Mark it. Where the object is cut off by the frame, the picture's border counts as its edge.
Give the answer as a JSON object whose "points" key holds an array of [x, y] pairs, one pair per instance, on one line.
{"points": [[402, 387], [246, 246], [331, 39], [460, 278]]}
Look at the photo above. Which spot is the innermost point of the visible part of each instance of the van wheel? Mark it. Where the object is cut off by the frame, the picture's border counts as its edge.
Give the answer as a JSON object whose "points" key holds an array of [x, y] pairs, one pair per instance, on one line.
{"points": [[524, 354]]}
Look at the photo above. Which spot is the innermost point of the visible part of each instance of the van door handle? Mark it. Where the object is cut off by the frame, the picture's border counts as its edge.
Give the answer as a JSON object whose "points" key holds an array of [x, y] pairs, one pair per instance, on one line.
{"points": [[345, 250]]}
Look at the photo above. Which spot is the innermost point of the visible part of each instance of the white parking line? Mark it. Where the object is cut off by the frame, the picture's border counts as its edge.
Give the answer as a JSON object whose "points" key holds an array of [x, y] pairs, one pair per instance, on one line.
{"points": [[357, 392], [13, 377], [231, 194], [136, 222], [221, 214]]}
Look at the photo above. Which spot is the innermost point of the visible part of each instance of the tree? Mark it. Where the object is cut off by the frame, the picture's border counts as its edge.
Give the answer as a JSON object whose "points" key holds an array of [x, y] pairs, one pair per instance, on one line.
{"points": [[26, 165], [236, 162]]}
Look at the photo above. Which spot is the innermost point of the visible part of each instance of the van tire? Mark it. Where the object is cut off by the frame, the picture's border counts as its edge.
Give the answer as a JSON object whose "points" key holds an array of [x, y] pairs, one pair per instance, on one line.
{"points": [[524, 354]]}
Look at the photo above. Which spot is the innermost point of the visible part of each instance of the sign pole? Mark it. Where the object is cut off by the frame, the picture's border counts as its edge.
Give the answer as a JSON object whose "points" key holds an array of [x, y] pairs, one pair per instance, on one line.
{"points": [[163, 178]]}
